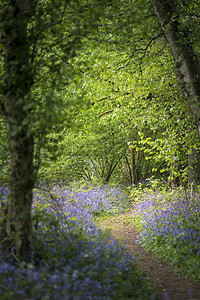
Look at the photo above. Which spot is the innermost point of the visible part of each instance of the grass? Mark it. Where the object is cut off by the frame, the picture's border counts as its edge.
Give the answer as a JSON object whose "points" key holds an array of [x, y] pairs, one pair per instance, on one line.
{"points": [[71, 258]]}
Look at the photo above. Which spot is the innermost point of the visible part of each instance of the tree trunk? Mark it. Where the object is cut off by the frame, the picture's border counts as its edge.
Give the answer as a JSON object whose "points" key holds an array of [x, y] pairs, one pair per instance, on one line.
{"points": [[186, 62], [17, 106], [194, 167]]}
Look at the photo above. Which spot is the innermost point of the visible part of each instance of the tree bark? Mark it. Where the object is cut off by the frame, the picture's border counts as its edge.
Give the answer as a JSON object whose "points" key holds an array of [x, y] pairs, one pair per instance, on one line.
{"points": [[186, 63], [17, 106], [193, 167]]}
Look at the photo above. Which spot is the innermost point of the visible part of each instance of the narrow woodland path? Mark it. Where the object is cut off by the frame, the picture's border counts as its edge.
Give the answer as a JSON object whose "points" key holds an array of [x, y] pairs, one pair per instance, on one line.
{"points": [[169, 283]]}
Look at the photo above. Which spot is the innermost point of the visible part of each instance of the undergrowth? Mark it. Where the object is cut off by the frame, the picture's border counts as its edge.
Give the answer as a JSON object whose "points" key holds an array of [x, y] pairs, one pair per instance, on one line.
{"points": [[71, 258], [169, 226]]}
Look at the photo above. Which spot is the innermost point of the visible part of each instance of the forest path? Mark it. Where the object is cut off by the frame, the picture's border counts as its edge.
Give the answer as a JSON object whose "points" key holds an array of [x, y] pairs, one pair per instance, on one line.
{"points": [[168, 282]]}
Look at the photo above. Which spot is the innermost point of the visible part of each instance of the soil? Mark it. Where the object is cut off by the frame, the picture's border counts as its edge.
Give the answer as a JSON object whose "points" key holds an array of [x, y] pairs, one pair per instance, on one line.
{"points": [[169, 283]]}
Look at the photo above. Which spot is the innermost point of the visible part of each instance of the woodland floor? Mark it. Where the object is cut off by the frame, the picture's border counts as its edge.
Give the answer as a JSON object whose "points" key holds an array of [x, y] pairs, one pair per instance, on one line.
{"points": [[163, 277]]}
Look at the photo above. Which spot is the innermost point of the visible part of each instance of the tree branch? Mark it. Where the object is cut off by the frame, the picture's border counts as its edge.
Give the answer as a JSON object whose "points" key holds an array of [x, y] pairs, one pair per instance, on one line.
{"points": [[109, 111], [128, 60]]}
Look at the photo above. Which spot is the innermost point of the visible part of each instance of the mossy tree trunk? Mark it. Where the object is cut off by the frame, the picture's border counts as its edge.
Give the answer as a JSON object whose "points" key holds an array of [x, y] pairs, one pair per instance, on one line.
{"points": [[186, 63], [17, 108]]}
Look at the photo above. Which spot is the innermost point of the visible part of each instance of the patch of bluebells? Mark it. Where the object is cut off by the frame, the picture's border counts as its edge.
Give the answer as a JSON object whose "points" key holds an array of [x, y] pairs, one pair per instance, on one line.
{"points": [[69, 261], [82, 205], [3, 200], [3, 192], [171, 229], [3, 195]]}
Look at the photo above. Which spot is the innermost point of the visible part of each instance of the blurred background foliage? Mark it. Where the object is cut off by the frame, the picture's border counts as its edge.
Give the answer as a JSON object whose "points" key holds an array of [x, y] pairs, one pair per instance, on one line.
{"points": [[107, 103]]}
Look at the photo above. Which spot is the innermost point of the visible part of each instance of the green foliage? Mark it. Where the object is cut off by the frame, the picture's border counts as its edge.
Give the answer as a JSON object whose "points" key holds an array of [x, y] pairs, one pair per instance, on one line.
{"points": [[144, 105], [112, 58]]}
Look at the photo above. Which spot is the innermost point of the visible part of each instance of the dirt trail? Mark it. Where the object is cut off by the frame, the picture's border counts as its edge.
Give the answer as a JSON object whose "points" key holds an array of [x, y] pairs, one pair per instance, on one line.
{"points": [[169, 284]]}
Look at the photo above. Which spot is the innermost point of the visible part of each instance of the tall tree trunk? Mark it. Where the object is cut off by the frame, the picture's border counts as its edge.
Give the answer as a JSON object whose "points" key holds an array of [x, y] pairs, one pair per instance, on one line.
{"points": [[193, 167], [186, 62], [17, 105]]}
